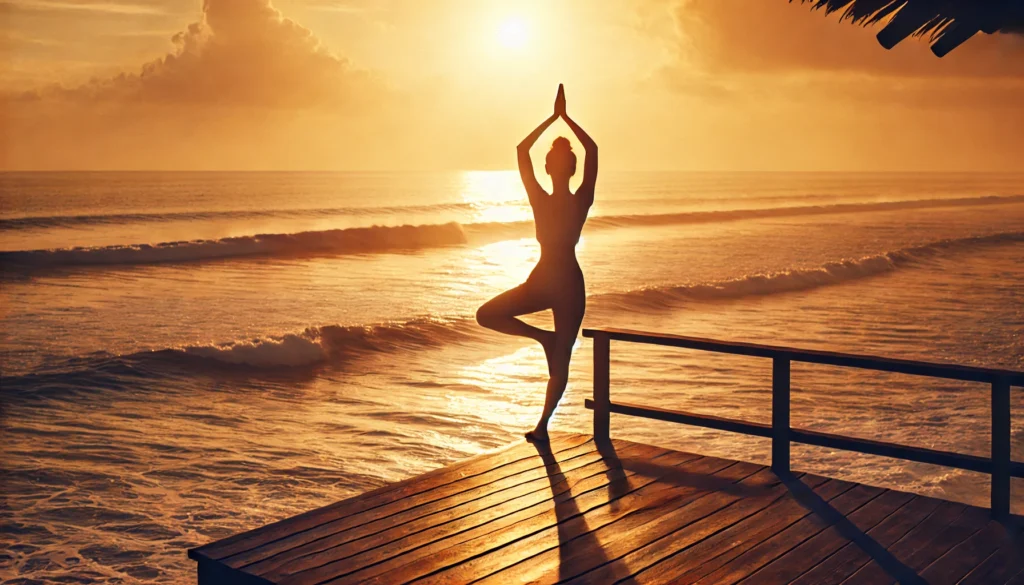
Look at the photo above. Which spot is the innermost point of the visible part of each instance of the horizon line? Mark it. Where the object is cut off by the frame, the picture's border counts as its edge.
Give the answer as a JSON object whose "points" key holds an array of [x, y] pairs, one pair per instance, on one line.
{"points": [[513, 170]]}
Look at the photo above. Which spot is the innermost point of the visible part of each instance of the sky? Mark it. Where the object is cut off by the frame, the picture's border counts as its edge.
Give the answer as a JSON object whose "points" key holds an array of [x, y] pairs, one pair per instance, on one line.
{"points": [[699, 85]]}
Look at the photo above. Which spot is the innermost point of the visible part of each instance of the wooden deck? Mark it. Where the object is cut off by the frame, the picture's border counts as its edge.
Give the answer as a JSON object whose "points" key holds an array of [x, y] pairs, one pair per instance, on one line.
{"points": [[630, 513]]}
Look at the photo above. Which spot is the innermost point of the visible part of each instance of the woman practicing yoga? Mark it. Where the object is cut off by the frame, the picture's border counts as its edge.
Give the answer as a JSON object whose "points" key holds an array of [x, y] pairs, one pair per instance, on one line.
{"points": [[556, 282]]}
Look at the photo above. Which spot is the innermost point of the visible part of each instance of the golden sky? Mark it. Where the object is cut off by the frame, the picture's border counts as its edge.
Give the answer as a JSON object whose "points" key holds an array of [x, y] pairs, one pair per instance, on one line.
{"points": [[455, 84]]}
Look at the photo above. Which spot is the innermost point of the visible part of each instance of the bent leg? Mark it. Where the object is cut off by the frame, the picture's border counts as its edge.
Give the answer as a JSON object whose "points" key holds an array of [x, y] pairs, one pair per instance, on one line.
{"points": [[500, 314], [567, 326]]}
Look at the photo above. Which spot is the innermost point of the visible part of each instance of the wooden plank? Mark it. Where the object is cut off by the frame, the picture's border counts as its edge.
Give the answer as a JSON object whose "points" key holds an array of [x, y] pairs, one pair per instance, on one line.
{"points": [[849, 360], [648, 516], [577, 530], [727, 546], [666, 536], [467, 468], [471, 558], [698, 546], [484, 463], [938, 533], [615, 540], [964, 557], [371, 521], [999, 567], [1017, 579], [389, 530], [969, 523], [386, 531], [810, 525], [875, 515], [416, 548], [870, 573]]}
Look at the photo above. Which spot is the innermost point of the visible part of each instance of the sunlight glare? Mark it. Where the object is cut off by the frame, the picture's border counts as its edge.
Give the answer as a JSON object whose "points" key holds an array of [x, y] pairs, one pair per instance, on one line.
{"points": [[513, 33], [496, 196]]}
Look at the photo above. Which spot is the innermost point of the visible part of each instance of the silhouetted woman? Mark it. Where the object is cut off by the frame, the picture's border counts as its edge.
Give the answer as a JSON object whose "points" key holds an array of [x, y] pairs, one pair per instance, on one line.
{"points": [[556, 282]]}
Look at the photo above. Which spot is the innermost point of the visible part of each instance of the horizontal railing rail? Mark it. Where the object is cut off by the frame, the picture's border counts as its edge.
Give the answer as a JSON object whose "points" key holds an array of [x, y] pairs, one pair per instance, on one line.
{"points": [[999, 465], [811, 356]]}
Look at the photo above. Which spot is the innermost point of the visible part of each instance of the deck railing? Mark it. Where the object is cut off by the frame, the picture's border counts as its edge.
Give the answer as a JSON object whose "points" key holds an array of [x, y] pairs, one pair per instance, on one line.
{"points": [[999, 465]]}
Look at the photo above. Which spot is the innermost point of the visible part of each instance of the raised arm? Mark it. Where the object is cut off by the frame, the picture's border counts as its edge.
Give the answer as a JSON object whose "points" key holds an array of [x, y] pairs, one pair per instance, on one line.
{"points": [[533, 188], [586, 189]]}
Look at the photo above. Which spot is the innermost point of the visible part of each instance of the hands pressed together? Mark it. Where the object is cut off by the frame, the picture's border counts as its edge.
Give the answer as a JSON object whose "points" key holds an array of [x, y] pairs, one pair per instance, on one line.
{"points": [[560, 103], [559, 112]]}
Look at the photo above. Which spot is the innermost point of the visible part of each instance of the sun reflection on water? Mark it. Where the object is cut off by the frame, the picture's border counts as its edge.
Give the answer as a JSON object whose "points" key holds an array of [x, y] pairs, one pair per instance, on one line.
{"points": [[496, 196], [512, 387], [499, 266]]}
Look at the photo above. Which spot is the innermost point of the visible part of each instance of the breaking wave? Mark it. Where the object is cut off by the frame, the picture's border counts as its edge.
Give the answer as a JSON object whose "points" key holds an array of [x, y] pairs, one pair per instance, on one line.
{"points": [[337, 344], [328, 343], [377, 239], [832, 273], [101, 219], [289, 353], [768, 212], [341, 241]]}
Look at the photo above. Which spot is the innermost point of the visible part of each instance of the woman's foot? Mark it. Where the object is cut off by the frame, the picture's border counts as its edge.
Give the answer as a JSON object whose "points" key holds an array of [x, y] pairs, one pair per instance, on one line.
{"points": [[536, 436]]}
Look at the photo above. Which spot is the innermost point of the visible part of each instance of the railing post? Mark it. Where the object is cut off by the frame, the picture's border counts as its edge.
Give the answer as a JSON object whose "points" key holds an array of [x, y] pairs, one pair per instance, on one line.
{"points": [[1001, 448], [780, 414], [602, 364]]}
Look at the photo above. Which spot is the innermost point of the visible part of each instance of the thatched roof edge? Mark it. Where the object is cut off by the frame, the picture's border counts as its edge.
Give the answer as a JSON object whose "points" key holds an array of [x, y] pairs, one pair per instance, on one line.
{"points": [[947, 23]]}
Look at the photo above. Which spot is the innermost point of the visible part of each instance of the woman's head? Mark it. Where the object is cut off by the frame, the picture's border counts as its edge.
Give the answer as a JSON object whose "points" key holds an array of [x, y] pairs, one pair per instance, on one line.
{"points": [[561, 160]]}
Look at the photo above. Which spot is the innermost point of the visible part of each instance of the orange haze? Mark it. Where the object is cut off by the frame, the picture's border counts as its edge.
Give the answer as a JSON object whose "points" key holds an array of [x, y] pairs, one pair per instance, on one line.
{"points": [[405, 84]]}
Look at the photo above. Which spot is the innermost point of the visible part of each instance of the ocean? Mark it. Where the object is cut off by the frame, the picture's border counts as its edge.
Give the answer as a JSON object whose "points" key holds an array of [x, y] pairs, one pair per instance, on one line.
{"points": [[189, 355]]}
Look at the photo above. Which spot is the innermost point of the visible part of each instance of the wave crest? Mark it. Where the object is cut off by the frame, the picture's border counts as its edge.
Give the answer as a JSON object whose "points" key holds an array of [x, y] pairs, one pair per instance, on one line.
{"points": [[340, 241], [660, 298], [410, 237], [317, 345], [694, 217], [98, 219], [336, 344]]}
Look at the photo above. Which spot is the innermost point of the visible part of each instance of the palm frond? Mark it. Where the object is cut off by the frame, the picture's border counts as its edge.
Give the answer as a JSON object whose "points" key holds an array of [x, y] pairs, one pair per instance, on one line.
{"points": [[947, 23]]}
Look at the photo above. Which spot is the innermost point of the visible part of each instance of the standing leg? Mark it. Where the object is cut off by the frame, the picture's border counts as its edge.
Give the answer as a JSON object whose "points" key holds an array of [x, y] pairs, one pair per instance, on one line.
{"points": [[500, 314], [567, 325]]}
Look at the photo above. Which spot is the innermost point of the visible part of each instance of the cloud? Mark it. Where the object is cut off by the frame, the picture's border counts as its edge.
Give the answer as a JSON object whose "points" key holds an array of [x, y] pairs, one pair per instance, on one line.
{"points": [[749, 49], [103, 7], [243, 88], [777, 85], [747, 84], [242, 52], [334, 6]]}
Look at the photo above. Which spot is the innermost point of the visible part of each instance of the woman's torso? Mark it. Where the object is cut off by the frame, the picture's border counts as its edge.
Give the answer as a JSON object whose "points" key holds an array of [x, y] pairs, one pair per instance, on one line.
{"points": [[559, 222]]}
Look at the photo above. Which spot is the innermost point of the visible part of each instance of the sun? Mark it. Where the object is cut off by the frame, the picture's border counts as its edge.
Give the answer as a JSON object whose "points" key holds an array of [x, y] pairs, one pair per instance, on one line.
{"points": [[513, 33]]}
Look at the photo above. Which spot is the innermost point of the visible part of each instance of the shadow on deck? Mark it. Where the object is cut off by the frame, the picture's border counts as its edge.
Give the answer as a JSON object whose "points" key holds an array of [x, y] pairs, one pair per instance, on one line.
{"points": [[625, 513]]}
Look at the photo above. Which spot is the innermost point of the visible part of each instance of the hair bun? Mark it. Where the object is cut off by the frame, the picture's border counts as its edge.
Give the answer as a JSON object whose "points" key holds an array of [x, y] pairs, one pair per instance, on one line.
{"points": [[561, 144]]}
